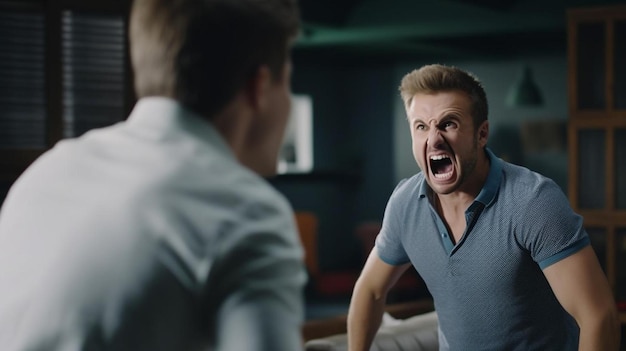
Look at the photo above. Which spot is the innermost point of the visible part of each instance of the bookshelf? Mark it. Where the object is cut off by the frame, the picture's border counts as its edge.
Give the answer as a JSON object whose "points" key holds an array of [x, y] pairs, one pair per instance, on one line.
{"points": [[597, 134]]}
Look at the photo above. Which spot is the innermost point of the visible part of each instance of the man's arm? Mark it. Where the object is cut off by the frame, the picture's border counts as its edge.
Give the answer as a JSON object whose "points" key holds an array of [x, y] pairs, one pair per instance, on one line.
{"points": [[368, 300], [582, 289], [260, 283]]}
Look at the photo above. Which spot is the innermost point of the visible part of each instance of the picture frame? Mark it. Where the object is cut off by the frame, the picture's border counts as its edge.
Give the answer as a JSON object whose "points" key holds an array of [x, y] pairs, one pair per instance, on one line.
{"points": [[296, 152]]}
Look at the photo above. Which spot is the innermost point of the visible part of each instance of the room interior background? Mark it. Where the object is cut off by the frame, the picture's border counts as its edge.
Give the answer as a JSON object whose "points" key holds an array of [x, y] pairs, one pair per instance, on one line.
{"points": [[349, 61]]}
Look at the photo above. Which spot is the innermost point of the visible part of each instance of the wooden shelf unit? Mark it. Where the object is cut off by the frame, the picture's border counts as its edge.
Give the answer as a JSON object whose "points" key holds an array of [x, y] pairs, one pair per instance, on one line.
{"points": [[597, 133]]}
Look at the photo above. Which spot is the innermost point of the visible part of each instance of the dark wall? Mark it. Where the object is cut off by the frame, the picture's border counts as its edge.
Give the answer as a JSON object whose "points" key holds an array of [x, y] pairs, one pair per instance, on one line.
{"points": [[4, 189], [353, 163]]}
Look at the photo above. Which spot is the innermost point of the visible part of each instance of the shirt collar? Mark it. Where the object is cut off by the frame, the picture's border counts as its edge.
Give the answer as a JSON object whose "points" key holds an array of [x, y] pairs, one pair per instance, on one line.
{"points": [[490, 188], [164, 117], [487, 194]]}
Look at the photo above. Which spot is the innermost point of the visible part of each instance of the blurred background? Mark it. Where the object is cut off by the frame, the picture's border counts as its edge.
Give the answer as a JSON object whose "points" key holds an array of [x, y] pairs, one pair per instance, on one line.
{"points": [[64, 70], [350, 60]]}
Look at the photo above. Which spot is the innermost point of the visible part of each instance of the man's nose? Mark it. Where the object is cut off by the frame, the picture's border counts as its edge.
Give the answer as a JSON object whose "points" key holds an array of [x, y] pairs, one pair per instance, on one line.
{"points": [[434, 137]]}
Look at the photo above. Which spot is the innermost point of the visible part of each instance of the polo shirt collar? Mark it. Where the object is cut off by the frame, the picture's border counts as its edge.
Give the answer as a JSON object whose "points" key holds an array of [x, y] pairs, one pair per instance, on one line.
{"points": [[488, 193]]}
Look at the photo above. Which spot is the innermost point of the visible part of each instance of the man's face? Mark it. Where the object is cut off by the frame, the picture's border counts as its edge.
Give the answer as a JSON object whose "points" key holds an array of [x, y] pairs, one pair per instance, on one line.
{"points": [[445, 143], [270, 125]]}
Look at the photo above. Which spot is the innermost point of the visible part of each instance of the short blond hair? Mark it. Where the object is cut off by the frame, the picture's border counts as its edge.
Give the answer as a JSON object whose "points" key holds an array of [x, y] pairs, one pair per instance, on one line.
{"points": [[202, 52], [435, 78]]}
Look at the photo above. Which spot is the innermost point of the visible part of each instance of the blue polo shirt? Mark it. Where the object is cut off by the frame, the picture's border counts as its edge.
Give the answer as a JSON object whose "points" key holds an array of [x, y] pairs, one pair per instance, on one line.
{"points": [[489, 289]]}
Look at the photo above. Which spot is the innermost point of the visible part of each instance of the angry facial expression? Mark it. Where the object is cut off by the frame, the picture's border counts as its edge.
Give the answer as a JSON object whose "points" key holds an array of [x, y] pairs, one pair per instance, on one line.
{"points": [[446, 144]]}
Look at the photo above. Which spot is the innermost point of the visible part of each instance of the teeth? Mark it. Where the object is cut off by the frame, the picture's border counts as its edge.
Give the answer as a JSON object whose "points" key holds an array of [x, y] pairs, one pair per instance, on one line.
{"points": [[443, 175], [438, 157]]}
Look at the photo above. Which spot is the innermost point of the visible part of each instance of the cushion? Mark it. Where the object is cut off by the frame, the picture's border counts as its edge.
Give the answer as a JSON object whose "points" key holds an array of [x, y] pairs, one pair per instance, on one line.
{"points": [[418, 333]]}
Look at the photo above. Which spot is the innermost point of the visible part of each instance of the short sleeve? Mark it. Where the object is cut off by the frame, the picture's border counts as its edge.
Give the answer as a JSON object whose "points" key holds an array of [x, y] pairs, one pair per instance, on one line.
{"points": [[389, 240], [551, 230]]}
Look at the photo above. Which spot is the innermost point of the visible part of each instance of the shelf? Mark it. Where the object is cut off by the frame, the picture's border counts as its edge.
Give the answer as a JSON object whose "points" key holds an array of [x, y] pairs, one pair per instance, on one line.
{"points": [[318, 176], [596, 132]]}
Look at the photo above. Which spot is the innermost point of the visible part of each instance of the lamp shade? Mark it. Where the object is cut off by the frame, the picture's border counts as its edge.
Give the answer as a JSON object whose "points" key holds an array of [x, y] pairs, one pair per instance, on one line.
{"points": [[525, 92]]}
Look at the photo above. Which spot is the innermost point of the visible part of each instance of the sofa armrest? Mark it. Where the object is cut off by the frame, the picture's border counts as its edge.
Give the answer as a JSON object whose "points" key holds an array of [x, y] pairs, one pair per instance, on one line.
{"points": [[418, 333]]}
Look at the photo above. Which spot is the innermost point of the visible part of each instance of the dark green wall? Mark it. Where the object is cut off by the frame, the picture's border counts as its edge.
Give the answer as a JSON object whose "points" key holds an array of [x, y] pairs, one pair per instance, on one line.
{"points": [[353, 167]]}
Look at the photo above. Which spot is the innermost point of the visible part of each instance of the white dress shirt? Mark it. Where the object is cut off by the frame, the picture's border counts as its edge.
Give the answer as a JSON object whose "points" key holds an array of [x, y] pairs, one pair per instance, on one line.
{"points": [[148, 235]]}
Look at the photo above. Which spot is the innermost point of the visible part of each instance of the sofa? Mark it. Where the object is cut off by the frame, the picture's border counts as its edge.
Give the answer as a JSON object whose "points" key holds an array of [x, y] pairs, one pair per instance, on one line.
{"points": [[417, 333]]}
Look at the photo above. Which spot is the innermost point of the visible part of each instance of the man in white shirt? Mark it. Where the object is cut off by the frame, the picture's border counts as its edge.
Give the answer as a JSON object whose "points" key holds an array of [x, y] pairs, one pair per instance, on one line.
{"points": [[160, 233]]}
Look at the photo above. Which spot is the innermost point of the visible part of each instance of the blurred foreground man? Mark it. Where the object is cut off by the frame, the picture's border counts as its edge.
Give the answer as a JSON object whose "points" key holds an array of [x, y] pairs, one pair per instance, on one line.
{"points": [[507, 261], [159, 233]]}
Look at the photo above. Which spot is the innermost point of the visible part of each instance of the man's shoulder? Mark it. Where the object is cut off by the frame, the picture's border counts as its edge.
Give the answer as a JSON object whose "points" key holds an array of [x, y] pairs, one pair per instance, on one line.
{"points": [[410, 186], [524, 179], [407, 193], [259, 195], [522, 187]]}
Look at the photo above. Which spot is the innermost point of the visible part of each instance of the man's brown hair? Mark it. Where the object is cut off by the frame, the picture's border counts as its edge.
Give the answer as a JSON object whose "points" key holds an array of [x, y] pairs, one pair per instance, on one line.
{"points": [[435, 78], [202, 52]]}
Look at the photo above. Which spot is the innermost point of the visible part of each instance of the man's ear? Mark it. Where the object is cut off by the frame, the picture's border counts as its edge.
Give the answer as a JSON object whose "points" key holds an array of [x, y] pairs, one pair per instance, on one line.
{"points": [[483, 133], [258, 87]]}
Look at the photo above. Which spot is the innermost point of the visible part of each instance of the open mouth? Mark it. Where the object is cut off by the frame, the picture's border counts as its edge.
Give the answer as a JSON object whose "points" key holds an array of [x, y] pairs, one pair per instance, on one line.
{"points": [[441, 166]]}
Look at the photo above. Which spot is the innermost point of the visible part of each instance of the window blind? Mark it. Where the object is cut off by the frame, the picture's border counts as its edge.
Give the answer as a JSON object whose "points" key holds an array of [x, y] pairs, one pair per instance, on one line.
{"points": [[22, 92], [93, 71]]}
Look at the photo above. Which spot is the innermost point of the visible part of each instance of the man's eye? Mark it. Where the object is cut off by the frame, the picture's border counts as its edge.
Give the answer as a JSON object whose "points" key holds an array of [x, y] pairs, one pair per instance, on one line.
{"points": [[420, 127], [447, 125]]}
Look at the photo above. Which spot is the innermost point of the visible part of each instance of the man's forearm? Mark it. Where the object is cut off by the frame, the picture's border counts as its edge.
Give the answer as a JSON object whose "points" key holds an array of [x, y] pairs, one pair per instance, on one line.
{"points": [[364, 318], [603, 334]]}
